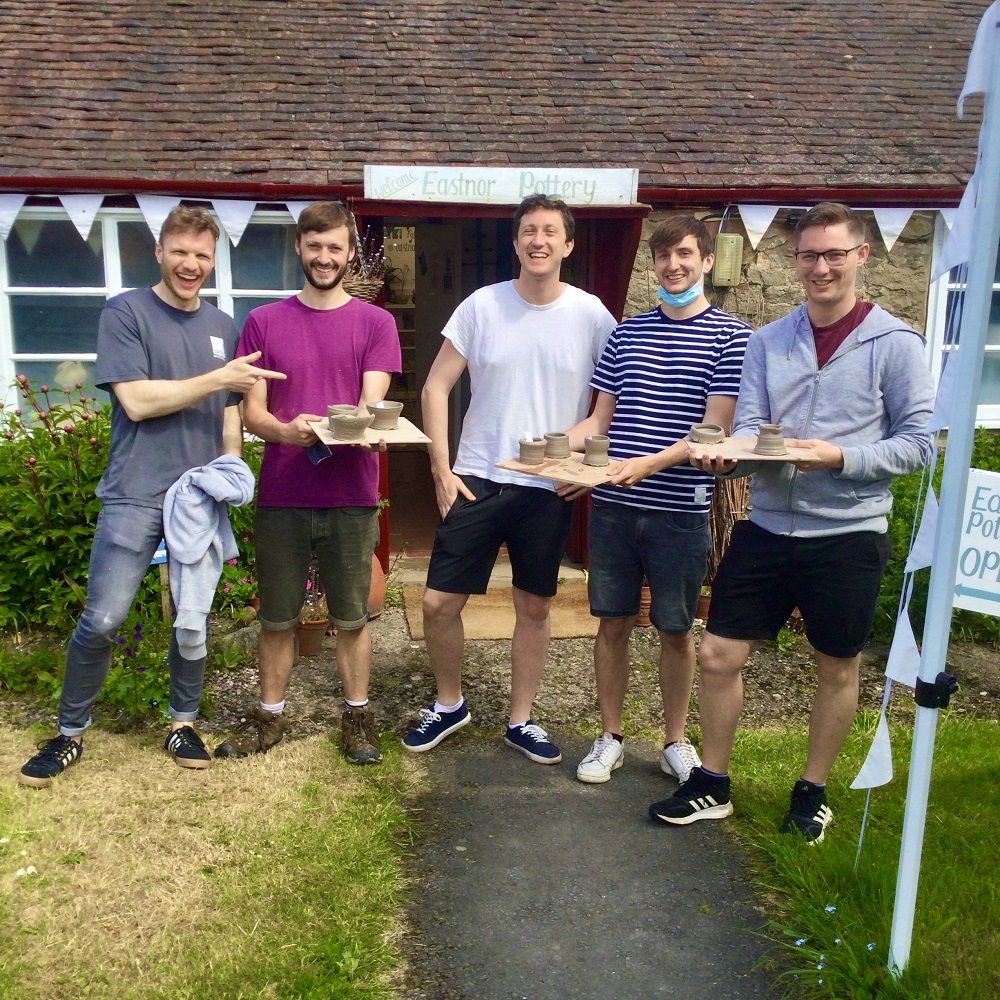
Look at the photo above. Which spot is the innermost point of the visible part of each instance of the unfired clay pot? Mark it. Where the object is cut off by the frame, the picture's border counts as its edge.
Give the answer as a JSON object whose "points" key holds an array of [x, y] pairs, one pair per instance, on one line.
{"points": [[386, 414], [349, 426], [707, 434], [531, 452], [596, 449], [770, 440], [332, 411], [556, 445]]}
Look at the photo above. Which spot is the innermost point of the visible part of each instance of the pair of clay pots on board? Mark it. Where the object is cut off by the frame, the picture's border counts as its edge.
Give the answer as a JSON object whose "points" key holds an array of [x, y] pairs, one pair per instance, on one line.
{"points": [[347, 424], [770, 440]]}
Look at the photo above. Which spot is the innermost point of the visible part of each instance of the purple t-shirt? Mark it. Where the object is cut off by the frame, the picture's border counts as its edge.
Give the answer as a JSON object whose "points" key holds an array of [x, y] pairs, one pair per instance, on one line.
{"points": [[324, 353]]}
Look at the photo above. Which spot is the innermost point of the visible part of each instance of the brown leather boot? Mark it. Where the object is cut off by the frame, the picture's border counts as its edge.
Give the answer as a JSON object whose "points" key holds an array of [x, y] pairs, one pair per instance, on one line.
{"points": [[261, 731], [358, 738]]}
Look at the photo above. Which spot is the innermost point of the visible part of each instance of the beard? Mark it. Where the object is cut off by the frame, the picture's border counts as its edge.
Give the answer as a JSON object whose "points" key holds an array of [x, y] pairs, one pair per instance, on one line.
{"points": [[326, 284]]}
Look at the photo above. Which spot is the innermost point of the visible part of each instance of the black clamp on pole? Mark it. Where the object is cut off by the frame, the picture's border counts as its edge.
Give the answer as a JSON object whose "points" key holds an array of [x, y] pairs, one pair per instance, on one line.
{"points": [[935, 693]]}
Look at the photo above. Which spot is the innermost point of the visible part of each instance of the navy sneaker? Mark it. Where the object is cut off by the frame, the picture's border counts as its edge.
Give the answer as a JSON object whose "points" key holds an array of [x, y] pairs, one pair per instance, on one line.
{"points": [[434, 727], [808, 814], [533, 742], [702, 796], [53, 757], [186, 747]]}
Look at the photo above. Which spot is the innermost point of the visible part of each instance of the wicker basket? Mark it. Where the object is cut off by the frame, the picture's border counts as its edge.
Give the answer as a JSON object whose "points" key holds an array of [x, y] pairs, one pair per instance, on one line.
{"points": [[363, 288]]}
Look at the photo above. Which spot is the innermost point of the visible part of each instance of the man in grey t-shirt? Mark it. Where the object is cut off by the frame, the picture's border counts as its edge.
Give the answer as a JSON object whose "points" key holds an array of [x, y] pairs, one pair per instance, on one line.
{"points": [[166, 358]]}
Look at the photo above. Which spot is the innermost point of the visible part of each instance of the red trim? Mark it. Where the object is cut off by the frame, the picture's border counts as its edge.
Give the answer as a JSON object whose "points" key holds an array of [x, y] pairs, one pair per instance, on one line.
{"points": [[907, 197], [382, 550]]}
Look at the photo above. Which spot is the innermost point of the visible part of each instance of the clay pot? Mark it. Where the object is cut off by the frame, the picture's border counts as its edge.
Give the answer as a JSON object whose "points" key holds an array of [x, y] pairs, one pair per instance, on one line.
{"points": [[385, 414], [531, 452], [310, 636], [770, 440], [556, 445], [596, 449], [349, 426], [707, 434], [336, 408]]}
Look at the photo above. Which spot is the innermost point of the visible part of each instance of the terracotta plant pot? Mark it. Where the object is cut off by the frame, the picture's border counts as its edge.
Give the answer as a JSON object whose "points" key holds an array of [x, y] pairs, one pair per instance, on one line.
{"points": [[704, 600], [310, 636], [645, 600]]}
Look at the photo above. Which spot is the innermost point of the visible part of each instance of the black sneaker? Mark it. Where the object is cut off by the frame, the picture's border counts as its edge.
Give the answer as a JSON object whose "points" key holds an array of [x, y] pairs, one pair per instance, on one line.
{"points": [[533, 742], [700, 797], [808, 814], [53, 757], [185, 746]]}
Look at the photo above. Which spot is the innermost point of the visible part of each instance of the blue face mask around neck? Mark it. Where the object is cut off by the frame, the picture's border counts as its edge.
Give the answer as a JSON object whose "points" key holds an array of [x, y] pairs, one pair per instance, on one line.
{"points": [[684, 299]]}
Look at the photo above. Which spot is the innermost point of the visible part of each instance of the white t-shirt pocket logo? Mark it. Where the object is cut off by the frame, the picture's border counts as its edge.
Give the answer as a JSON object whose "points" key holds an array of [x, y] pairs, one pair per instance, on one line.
{"points": [[218, 348]]}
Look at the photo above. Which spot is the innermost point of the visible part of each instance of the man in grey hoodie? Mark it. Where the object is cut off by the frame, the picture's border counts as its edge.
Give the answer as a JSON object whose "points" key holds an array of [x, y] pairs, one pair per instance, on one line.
{"points": [[847, 381]]}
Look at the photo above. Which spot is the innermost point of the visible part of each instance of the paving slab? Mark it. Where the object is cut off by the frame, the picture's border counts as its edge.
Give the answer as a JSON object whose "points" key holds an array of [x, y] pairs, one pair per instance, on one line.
{"points": [[534, 886]]}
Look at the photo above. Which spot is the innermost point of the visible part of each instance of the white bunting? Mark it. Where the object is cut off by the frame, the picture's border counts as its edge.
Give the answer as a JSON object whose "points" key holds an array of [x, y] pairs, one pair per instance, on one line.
{"points": [[155, 208], [295, 208], [891, 222], [947, 387], [922, 551], [904, 657], [10, 205], [82, 210], [234, 216], [756, 220], [877, 768], [958, 246], [948, 215]]}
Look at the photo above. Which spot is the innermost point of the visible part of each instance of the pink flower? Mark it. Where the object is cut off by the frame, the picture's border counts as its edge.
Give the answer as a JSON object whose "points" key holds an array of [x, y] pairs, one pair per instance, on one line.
{"points": [[21, 379]]}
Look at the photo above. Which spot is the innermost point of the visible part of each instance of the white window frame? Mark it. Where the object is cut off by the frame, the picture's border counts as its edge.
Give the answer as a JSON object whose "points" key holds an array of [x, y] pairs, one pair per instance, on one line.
{"points": [[223, 294], [987, 415]]}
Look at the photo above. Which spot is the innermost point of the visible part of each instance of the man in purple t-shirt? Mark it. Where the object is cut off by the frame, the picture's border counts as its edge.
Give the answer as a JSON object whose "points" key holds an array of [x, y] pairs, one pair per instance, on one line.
{"points": [[334, 349]]}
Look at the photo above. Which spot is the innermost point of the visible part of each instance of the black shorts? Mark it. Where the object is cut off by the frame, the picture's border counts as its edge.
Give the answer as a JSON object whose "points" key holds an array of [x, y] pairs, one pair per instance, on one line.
{"points": [[532, 522], [834, 581]]}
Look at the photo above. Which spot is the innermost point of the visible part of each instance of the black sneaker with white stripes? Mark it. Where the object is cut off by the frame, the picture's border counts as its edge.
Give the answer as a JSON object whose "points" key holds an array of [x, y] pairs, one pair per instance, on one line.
{"points": [[53, 757], [808, 814], [186, 747], [702, 796]]}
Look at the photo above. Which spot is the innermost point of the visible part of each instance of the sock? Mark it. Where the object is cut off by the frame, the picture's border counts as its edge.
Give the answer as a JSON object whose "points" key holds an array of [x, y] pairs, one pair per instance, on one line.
{"points": [[670, 744], [276, 709], [439, 708], [617, 737], [355, 704], [712, 774], [809, 786], [517, 725]]}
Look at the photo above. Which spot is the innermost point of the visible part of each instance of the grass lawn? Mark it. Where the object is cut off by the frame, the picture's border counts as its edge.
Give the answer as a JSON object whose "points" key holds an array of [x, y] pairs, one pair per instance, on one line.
{"points": [[272, 877], [831, 921]]}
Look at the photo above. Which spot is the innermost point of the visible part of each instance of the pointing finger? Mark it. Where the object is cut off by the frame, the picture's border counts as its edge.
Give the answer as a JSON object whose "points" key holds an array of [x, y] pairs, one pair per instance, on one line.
{"points": [[267, 373]]}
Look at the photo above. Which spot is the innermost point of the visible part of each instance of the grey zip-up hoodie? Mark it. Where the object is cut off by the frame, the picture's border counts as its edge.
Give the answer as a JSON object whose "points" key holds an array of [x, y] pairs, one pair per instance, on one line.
{"points": [[873, 399]]}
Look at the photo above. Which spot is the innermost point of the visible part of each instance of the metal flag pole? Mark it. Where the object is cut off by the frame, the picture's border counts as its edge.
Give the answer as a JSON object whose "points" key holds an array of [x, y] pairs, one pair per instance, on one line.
{"points": [[958, 453]]}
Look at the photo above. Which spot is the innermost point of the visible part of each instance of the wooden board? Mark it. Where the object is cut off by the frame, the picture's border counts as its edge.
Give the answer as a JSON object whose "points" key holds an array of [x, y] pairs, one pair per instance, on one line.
{"points": [[562, 470], [405, 433], [742, 449]]}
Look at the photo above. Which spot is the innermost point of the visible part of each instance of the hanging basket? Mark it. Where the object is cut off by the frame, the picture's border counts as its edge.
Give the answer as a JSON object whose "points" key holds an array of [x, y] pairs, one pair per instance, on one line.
{"points": [[367, 289]]}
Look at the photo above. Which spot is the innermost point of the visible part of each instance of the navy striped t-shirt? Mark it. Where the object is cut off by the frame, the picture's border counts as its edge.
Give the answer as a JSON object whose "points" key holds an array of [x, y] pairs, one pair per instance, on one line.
{"points": [[661, 373]]}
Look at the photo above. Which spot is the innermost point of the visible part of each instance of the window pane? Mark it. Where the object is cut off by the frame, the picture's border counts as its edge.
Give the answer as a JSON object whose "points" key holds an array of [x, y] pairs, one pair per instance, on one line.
{"points": [[62, 376], [989, 392], [242, 307], [953, 319], [266, 258], [52, 253], [55, 324], [136, 246]]}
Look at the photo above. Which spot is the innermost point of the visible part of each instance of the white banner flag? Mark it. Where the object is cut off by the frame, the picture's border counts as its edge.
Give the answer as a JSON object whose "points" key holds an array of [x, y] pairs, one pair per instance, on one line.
{"points": [[10, 205], [82, 210], [891, 222], [234, 216], [756, 220], [155, 208]]}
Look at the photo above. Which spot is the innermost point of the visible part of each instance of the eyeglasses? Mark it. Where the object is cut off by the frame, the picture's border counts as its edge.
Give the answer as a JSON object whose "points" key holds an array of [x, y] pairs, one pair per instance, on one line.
{"points": [[833, 257]]}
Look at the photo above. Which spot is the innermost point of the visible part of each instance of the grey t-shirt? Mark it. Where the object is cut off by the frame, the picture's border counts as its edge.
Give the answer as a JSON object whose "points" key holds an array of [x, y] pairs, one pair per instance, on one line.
{"points": [[141, 337]]}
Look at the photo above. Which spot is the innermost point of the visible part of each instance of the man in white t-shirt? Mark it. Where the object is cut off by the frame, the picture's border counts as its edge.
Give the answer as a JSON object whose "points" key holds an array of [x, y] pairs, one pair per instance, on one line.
{"points": [[530, 346]]}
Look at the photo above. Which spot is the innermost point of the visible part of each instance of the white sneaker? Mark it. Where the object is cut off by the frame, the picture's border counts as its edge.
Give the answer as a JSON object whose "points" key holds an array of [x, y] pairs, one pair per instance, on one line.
{"points": [[606, 755], [679, 760]]}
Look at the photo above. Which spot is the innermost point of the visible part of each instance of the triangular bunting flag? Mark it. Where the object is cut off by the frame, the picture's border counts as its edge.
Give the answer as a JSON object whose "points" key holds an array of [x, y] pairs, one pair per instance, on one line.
{"points": [[295, 208], [891, 222], [922, 552], [756, 220], [82, 210], [941, 416], [155, 208], [10, 205], [877, 768], [234, 216], [904, 657], [958, 246], [948, 215]]}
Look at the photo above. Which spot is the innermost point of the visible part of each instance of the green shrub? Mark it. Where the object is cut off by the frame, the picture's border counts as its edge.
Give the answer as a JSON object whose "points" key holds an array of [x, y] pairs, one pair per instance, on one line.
{"points": [[968, 625]]}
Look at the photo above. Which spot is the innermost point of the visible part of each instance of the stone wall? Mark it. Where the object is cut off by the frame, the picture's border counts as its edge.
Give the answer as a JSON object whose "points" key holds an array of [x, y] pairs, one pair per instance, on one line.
{"points": [[769, 287]]}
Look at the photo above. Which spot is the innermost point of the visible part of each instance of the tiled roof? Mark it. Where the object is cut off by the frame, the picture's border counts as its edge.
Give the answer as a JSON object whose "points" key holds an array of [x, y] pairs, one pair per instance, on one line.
{"points": [[714, 94]]}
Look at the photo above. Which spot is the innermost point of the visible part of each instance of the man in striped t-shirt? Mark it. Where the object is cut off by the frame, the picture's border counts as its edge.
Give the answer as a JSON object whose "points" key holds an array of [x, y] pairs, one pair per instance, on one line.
{"points": [[662, 371]]}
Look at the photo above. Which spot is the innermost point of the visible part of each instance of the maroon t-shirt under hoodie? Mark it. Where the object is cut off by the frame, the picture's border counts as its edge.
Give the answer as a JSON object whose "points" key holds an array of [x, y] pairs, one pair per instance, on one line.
{"points": [[829, 338]]}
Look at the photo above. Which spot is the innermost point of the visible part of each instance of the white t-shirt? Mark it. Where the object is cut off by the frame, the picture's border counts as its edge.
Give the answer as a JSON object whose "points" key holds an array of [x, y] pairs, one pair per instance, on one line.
{"points": [[529, 368]]}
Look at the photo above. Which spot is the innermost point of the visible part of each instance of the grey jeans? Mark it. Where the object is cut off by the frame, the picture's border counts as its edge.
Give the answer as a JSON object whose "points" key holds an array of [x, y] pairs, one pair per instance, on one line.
{"points": [[124, 542]]}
